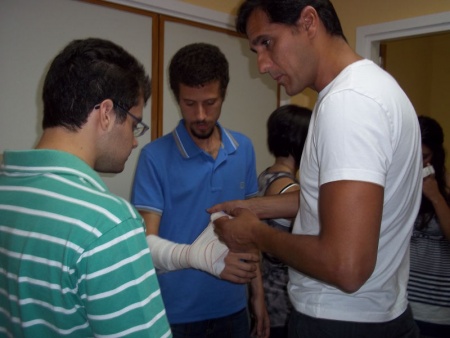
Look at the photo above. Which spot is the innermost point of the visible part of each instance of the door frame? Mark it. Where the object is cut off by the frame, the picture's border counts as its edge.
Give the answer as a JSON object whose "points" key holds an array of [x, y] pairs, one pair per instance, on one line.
{"points": [[368, 37]]}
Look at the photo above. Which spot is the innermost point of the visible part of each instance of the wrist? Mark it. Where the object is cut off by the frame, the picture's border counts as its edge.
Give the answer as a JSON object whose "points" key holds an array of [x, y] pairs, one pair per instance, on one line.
{"points": [[437, 200]]}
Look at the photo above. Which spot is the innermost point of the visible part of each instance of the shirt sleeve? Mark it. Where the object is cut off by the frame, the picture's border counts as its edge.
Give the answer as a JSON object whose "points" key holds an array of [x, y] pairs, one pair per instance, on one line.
{"points": [[147, 192], [118, 284], [353, 141]]}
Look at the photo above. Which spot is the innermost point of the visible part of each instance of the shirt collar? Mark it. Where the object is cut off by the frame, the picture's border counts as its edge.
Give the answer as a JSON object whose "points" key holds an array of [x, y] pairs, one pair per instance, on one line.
{"points": [[39, 161], [188, 148]]}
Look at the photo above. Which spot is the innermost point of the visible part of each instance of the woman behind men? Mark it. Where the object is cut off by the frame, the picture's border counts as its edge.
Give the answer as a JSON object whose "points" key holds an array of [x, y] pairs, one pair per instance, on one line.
{"points": [[287, 128], [429, 283]]}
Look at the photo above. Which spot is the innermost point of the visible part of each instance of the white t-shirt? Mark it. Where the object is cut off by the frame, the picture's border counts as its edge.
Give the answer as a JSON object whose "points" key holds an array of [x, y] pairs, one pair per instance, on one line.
{"points": [[363, 128]]}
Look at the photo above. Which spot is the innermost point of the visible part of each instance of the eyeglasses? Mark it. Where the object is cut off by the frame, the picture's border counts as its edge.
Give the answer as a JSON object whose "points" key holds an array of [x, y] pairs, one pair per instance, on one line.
{"points": [[140, 128]]}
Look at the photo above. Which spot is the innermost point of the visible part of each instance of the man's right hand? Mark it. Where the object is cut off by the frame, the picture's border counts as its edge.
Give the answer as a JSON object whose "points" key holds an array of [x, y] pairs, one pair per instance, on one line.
{"points": [[240, 267]]}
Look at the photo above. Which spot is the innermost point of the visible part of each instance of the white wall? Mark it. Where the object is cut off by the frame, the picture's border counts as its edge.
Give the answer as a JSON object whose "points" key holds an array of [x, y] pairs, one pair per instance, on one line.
{"points": [[33, 32]]}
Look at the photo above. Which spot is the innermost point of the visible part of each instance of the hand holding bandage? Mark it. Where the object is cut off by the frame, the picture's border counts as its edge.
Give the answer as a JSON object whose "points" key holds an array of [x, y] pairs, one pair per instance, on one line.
{"points": [[206, 253]]}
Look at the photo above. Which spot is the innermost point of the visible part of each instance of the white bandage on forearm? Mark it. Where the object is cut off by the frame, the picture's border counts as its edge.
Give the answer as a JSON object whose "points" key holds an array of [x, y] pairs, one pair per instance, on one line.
{"points": [[167, 255], [207, 253]]}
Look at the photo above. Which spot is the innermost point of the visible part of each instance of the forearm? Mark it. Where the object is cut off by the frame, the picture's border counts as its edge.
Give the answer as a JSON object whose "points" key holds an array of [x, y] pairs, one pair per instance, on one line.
{"points": [[344, 250], [276, 206], [256, 285], [206, 253], [439, 202], [300, 252], [442, 210], [261, 321], [317, 257], [167, 255]]}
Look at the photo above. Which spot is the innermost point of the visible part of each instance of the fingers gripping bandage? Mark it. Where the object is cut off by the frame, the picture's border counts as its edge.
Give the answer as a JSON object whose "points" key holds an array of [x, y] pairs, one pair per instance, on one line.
{"points": [[207, 253]]}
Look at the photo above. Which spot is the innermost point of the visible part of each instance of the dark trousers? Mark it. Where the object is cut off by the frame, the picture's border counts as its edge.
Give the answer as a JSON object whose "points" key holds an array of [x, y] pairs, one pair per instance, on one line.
{"points": [[302, 326], [430, 330], [232, 326]]}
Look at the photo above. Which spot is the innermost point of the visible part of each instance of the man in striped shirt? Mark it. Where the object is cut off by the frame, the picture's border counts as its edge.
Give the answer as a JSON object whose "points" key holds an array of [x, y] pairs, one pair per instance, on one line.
{"points": [[74, 261]]}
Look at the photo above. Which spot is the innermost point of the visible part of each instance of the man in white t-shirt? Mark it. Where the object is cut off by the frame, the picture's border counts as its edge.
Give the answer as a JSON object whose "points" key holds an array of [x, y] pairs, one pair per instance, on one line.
{"points": [[360, 178]]}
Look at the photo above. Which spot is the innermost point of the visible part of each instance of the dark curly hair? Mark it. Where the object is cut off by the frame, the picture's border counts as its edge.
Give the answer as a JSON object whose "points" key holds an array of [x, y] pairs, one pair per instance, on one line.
{"points": [[288, 11], [85, 73], [433, 138], [287, 128], [198, 64]]}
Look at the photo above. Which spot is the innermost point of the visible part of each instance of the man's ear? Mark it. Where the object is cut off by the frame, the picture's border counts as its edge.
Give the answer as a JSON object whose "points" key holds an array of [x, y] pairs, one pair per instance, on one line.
{"points": [[107, 116], [308, 20]]}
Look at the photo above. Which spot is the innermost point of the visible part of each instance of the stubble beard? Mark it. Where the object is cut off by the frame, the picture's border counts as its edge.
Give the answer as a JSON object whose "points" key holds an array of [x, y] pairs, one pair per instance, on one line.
{"points": [[202, 136]]}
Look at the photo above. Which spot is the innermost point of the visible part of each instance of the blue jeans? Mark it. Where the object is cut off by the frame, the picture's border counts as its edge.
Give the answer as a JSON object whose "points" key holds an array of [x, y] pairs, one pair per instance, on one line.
{"points": [[233, 326], [302, 326]]}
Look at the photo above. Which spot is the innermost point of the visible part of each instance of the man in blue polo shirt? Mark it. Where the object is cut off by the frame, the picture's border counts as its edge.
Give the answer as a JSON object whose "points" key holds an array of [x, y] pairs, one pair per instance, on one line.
{"points": [[178, 177]]}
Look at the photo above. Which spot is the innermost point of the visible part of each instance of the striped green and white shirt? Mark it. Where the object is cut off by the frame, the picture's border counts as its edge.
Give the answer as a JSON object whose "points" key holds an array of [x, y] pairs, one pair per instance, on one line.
{"points": [[74, 261]]}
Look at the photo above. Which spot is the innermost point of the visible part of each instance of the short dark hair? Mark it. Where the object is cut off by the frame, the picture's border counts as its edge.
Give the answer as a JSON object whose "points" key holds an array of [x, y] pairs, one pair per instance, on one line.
{"points": [[85, 73], [288, 11], [287, 128], [198, 64]]}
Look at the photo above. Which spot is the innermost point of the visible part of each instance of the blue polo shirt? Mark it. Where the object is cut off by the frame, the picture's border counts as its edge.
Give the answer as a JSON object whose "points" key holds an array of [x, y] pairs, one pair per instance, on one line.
{"points": [[179, 181]]}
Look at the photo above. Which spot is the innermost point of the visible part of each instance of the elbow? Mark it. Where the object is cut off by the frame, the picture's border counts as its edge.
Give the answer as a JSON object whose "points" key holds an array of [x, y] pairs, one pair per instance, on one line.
{"points": [[350, 286], [350, 278]]}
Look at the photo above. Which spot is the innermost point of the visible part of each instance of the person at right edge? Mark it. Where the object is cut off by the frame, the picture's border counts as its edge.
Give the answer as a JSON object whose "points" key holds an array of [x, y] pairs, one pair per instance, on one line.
{"points": [[429, 280], [360, 182]]}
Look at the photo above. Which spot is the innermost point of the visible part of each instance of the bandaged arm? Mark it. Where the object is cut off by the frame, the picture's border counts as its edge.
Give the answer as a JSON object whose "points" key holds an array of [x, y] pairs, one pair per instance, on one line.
{"points": [[207, 253]]}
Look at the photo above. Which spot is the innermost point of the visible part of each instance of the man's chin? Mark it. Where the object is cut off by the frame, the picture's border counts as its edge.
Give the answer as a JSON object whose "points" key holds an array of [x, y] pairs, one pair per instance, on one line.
{"points": [[202, 135], [111, 171]]}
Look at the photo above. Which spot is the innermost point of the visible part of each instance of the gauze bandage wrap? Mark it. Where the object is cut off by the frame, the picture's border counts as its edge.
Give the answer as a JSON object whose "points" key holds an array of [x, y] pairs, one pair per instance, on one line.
{"points": [[207, 253], [427, 171]]}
